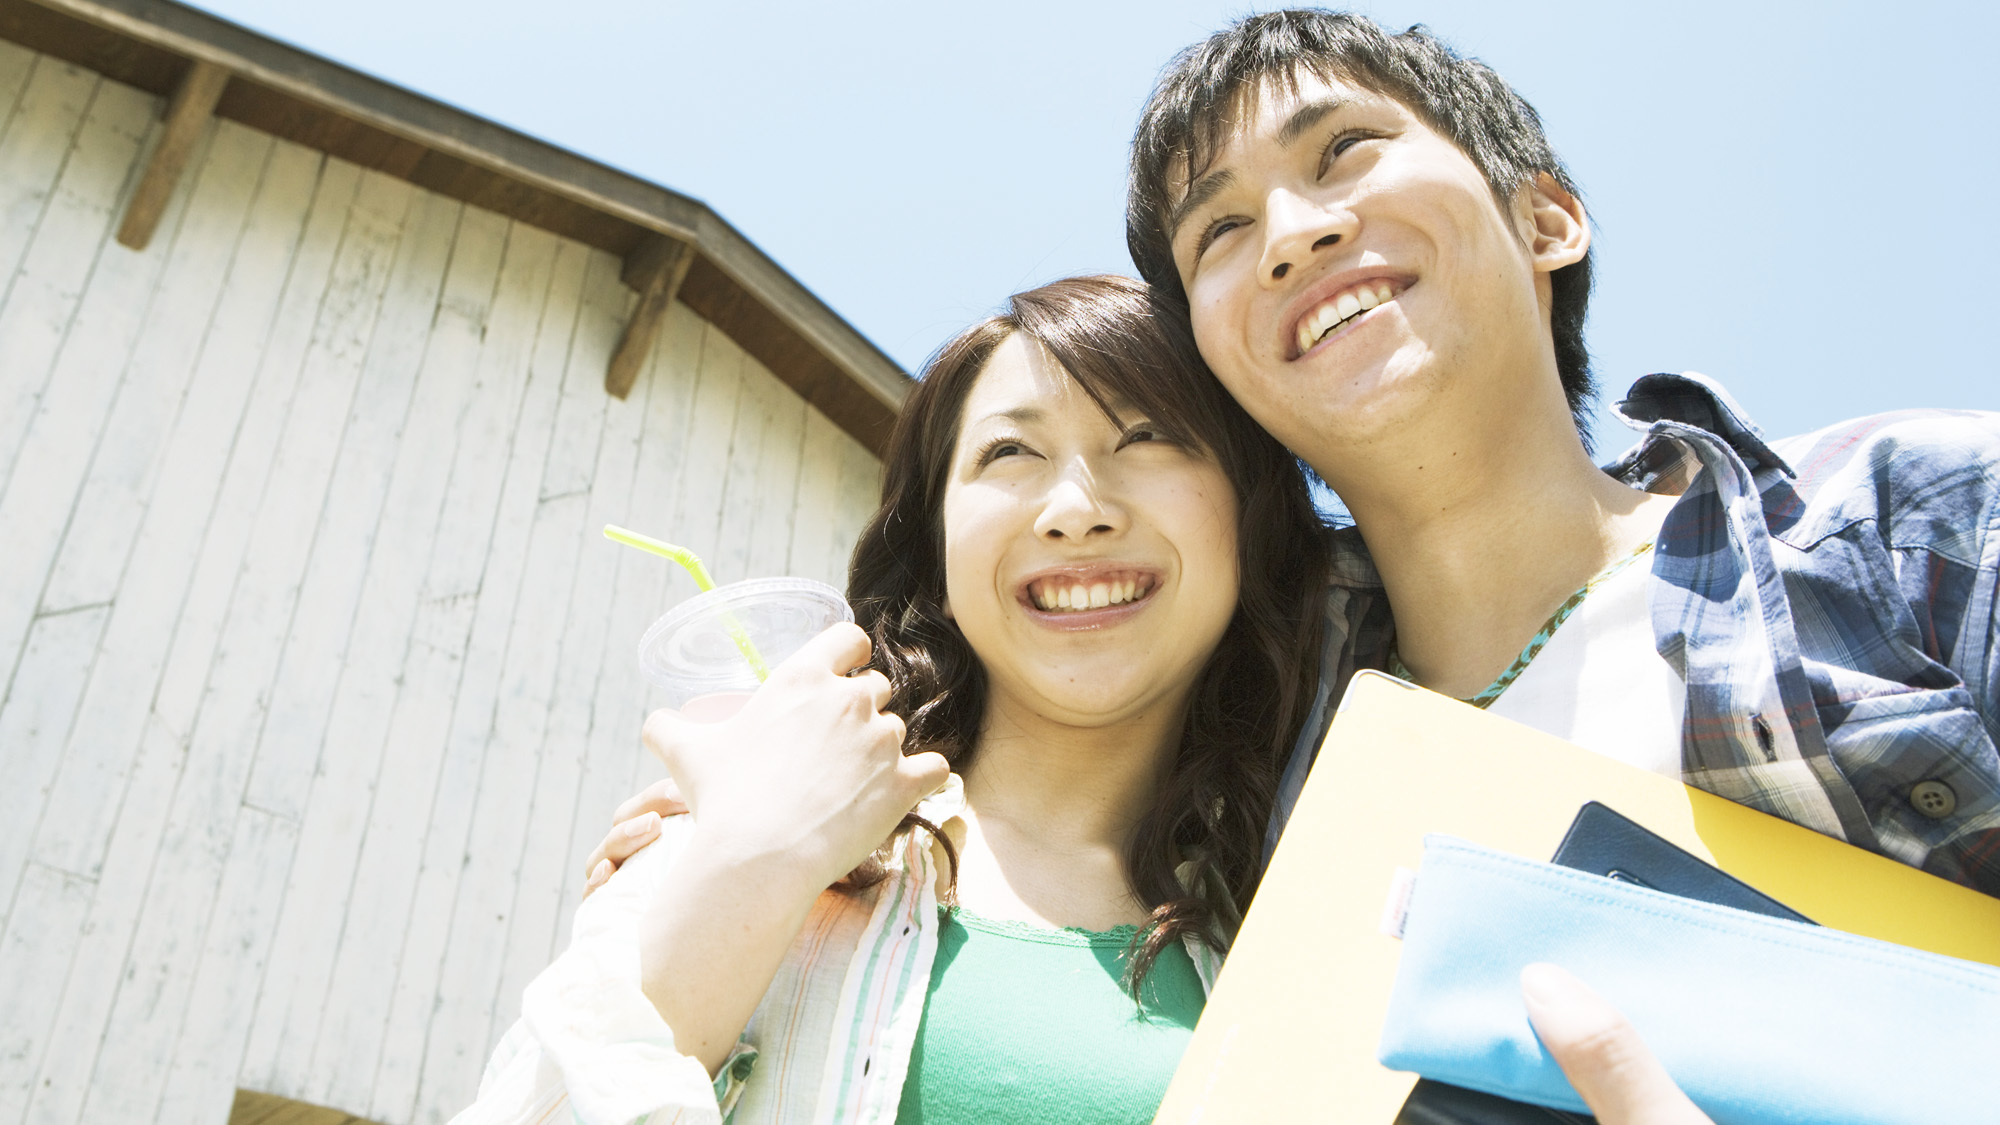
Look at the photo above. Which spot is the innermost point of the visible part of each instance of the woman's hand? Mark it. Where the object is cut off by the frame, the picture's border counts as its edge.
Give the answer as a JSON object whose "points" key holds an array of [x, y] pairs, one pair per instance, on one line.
{"points": [[633, 826], [788, 795], [1601, 1053], [811, 771]]}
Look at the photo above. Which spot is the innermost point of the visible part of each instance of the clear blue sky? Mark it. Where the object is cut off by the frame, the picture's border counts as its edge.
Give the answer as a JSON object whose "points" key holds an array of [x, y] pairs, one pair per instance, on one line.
{"points": [[1796, 198]]}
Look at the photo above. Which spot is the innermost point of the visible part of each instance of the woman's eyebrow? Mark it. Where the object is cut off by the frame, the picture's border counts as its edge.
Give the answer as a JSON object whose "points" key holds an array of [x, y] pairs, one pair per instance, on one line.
{"points": [[1021, 415]]}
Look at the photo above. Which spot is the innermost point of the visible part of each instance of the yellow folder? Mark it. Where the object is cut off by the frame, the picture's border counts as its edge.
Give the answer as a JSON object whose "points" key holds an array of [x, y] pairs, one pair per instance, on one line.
{"points": [[1289, 1033]]}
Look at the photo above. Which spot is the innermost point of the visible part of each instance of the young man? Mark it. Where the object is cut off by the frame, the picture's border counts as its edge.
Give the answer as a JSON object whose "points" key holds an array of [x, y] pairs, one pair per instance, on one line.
{"points": [[1387, 266]]}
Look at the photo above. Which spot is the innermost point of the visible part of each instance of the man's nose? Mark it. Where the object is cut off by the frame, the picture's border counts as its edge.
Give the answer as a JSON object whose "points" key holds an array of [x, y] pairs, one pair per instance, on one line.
{"points": [[1077, 509], [1295, 229]]}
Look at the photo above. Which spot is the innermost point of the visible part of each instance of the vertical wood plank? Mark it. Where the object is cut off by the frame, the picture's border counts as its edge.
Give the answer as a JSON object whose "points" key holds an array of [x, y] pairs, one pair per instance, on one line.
{"points": [[194, 852], [468, 988], [162, 851], [468, 985], [352, 1025], [537, 895], [580, 414], [415, 1013], [17, 63], [86, 802], [618, 706], [48, 913], [109, 320], [334, 793], [201, 1078], [310, 282], [207, 293], [776, 490], [38, 140], [860, 493], [103, 942], [65, 317], [736, 512], [349, 524], [34, 726], [815, 512]]}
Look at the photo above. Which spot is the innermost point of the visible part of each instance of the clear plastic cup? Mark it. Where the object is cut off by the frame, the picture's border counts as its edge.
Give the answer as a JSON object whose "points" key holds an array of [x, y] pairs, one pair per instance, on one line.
{"points": [[694, 655]]}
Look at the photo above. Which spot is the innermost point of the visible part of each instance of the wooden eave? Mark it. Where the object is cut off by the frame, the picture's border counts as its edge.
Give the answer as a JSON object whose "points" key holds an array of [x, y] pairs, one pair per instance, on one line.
{"points": [[156, 46]]}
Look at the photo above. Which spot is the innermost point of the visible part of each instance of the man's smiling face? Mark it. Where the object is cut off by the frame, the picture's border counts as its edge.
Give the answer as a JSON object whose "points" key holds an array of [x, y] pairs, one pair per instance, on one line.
{"points": [[1349, 271]]}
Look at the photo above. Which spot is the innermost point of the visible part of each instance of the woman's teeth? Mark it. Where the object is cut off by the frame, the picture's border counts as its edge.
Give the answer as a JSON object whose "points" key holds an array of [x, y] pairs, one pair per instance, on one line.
{"points": [[1343, 308], [1063, 594]]}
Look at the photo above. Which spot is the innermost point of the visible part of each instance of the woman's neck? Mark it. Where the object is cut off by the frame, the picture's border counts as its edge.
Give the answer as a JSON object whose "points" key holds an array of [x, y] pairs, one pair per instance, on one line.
{"points": [[1050, 812]]}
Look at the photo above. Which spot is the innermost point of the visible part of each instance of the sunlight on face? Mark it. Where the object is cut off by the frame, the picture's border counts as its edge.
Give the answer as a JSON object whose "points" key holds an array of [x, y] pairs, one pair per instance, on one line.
{"points": [[1091, 565], [1342, 261]]}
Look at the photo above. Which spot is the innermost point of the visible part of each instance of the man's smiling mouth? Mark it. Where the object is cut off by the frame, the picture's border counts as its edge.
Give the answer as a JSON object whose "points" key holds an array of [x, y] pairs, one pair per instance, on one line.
{"points": [[1342, 309], [1059, 593]]}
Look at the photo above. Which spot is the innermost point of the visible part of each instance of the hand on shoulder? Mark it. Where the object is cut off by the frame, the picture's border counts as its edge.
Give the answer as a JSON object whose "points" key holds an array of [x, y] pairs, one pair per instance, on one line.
{"points": [[809, 775]]}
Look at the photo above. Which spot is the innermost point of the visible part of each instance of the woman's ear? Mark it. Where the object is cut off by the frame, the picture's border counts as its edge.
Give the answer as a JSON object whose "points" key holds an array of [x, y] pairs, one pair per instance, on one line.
{"points": [[1553, 223]]}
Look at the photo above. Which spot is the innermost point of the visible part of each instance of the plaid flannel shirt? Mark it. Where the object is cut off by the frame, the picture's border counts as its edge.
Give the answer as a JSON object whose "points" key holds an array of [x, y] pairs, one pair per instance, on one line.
{"points": [[1830, 601]]}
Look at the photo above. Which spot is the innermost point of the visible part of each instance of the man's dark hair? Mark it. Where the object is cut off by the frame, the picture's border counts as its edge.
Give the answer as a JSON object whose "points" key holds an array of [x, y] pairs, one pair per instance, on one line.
{"points": [[1193, 111]]}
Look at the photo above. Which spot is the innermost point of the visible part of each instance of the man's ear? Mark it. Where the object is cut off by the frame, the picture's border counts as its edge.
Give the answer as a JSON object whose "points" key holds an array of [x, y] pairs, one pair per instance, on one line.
{"points": [[1553, 224]]}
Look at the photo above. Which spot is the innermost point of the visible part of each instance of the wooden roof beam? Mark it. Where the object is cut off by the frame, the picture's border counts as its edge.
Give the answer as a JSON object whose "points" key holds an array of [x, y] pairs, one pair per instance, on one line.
{"points": [[656, 269], [188, 110]]}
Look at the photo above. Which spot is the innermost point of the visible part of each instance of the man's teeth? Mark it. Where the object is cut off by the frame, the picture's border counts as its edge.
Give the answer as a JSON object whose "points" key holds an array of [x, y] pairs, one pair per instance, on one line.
{"points": [[1056, 594], [1340, 310]]}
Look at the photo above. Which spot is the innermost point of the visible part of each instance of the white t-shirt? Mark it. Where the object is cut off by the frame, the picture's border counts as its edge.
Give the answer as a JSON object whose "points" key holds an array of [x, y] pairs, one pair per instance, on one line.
{"points": [[1600, 682]]}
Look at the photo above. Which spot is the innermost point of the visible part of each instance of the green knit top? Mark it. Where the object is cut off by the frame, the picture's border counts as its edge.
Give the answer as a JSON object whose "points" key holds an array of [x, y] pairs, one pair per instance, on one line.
{"points": [[1028, 1024]]}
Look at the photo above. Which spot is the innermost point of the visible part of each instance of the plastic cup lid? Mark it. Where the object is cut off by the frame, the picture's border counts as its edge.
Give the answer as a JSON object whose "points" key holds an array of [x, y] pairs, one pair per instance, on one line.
{"points": [[691, 651]]}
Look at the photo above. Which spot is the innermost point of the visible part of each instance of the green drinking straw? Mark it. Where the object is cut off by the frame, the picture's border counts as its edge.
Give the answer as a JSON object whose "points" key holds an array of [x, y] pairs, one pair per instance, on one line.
{"points": [[692, 564]]}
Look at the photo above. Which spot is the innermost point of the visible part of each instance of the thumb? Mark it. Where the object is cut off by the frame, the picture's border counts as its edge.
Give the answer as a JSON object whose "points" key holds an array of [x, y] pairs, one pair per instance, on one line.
{"points": [[1601, 1053], [666, 734]]}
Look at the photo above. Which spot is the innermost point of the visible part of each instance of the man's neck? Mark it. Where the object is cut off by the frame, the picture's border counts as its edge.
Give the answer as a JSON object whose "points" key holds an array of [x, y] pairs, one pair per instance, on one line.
{"points": [[1478, 540]]}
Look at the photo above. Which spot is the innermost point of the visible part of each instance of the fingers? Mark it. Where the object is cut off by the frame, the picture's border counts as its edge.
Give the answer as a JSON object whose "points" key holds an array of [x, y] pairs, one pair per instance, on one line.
{"points": [[842, 648], [1601, 1053], [597, 878], [927, 772], [877, 685], [625, 837], [663, 797]]}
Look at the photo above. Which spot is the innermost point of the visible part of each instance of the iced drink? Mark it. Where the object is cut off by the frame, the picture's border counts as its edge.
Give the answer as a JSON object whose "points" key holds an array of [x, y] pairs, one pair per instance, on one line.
{"points": [[701, 653]]}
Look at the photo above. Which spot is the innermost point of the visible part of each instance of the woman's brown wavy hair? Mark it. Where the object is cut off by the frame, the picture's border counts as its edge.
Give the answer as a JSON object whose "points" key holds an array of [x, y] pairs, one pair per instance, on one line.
{"points": [[1120, 345]]}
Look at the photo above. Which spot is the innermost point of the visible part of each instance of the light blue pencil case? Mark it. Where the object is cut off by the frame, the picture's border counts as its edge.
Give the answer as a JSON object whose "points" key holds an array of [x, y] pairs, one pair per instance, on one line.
{"points": [[1760, 1020]]}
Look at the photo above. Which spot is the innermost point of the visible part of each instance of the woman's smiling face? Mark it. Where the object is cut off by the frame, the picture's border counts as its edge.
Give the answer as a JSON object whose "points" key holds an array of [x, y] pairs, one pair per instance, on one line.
{"points": [[1091, 564]]}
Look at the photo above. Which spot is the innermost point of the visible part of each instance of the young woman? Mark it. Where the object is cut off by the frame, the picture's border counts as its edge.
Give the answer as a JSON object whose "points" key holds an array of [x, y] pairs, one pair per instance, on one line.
{"points": [[1081, 605]]}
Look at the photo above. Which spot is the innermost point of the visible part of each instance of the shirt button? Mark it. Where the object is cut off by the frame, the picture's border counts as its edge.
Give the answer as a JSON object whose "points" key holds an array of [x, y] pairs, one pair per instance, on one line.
{"points": [[1934, 799]]}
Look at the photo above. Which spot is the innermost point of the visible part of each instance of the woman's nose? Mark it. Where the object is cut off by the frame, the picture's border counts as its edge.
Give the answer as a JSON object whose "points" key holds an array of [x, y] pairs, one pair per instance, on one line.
{"points": [[1077, 509], [1295, 229]]}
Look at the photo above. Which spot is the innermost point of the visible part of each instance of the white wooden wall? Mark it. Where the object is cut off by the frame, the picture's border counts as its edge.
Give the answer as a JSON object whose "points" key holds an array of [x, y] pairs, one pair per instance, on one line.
{"points": [[318, 676]]}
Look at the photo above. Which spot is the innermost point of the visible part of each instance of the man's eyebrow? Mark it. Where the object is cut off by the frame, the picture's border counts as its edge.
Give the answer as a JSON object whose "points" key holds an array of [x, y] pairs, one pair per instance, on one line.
{"points": [[1197, 197], [1211, 185], [1306, 116]]}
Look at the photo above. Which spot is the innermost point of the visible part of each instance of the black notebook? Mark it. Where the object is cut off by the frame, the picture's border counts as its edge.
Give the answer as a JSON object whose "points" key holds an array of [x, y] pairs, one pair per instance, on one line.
{"points": [[1602, 842]]}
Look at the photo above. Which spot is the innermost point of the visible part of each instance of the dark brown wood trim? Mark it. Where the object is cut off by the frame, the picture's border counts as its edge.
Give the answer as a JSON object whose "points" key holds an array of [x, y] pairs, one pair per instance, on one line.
{"points": [[253, 1108], [344, 113], [187, 112], [656, 269]]}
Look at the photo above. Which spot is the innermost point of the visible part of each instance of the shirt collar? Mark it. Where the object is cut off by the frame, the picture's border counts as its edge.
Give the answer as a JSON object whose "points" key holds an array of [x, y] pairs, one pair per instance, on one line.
{"points": [[1692, 400]]}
